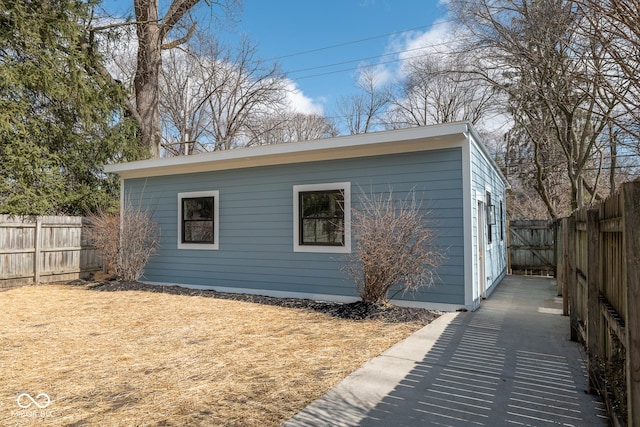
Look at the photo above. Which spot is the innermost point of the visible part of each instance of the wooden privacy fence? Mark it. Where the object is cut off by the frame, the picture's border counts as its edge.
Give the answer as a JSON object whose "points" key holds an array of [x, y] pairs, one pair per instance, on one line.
{"points": [[532, 247], [601, 284], [45, 249]]}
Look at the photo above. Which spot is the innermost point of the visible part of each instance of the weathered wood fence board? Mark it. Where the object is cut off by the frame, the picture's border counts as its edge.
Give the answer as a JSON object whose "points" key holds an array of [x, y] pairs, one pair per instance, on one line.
{"points": [[45, 249], [600, 271], [532, 247]]}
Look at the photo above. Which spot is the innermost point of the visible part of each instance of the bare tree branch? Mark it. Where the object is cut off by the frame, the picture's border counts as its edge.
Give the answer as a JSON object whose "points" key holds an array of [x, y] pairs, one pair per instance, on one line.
{"points": [[542, 56], [181, 40], [394, 247]]}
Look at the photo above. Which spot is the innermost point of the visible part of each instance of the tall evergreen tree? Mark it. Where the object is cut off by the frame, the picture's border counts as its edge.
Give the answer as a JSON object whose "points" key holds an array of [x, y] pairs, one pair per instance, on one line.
{"points": [[60, 119]]}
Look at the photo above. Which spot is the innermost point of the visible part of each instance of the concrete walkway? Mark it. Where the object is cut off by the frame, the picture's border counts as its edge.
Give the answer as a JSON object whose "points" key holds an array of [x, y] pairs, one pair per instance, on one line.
{"points": [[509, 363]]}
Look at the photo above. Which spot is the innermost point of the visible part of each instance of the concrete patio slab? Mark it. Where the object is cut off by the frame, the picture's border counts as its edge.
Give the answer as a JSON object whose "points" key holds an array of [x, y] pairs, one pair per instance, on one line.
{"points": [[509, 363]]}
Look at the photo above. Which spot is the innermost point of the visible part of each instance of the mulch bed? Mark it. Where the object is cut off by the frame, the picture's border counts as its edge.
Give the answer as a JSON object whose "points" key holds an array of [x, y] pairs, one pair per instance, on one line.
{"points": [[351, 311]]}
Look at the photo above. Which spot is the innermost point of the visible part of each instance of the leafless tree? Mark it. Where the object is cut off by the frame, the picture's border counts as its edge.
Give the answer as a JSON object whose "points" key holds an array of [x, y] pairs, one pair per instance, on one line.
{"points": [[152, 30], [289, 126], [361, 112], [524, 203], [615, 25], [535, 171], [239, 89], [212, 95], [536, 53], [438, 89], [155, 33], [182, 115]]}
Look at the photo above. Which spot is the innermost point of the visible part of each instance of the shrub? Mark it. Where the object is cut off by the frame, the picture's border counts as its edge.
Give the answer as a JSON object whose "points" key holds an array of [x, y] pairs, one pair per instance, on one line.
{"points": [[393, 247], [126, 241]]}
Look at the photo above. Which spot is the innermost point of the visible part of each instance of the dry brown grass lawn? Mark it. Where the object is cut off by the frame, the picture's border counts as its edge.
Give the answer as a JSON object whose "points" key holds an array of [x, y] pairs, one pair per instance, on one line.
{"points": [[141, 358]]}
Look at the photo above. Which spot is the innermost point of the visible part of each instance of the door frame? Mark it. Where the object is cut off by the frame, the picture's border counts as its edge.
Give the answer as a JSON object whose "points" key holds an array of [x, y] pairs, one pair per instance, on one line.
{"points": [[482, 251]]}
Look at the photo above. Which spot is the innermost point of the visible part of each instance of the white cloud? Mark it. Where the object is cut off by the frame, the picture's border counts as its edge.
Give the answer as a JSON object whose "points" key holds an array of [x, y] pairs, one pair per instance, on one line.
{"points": [[381, 74], [300, 103], [438, 40]]}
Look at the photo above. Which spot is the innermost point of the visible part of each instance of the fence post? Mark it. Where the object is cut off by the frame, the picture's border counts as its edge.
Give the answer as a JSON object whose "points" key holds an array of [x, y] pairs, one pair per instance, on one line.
{"points": [[565, 266], [559, 255], [509, 270], [593, 289], [571, 277], [631, 239], [36, 250]]}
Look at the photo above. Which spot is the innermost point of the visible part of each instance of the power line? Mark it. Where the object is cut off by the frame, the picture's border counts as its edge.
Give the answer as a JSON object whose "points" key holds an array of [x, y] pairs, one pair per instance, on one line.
{"points": [[369, 65], [364, 66], [319, 67], [357, 60], [429, 46], [319, 49]]}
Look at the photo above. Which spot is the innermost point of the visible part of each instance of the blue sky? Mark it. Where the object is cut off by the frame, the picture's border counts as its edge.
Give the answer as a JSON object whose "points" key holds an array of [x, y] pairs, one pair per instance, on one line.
{"points": [[288, 27], [340, 32]]}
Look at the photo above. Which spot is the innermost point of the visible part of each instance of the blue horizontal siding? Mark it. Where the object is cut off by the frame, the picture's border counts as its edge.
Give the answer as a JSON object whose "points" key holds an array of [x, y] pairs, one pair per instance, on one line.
{"points": [[484, 176], [256, 222]]}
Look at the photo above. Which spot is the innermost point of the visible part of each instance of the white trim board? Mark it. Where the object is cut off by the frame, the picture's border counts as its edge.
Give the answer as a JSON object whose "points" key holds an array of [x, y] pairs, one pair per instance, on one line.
{"points": [[345, 187], [216, 221]]}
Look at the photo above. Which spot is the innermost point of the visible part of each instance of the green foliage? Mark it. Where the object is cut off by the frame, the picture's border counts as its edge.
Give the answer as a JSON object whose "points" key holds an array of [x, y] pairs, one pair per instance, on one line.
{"points": [[61, 120]]}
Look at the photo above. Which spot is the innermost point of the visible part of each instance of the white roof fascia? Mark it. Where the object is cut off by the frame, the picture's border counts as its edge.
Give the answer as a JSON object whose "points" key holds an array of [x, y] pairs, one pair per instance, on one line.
{"points": [[370, 144], [475, 138]]}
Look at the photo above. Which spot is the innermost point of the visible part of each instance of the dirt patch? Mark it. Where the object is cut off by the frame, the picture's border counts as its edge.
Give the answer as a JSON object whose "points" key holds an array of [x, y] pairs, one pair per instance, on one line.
{"points": [[351, 311], [153, 358]]}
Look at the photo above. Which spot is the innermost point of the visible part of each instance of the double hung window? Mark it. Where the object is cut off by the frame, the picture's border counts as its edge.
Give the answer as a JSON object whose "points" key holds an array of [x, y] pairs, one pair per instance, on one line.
{"points": [[198, 220], [322, 217]]}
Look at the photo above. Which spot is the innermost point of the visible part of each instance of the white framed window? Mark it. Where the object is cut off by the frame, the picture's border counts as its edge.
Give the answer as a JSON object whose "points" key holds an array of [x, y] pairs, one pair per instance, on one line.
{"points": [[322, 218], [491, 217], [502, 223], [198, 220]]}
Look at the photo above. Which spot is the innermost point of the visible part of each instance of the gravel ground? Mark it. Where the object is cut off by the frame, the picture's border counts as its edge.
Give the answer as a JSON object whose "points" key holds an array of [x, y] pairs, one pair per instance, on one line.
{"points": [[352, 311]]}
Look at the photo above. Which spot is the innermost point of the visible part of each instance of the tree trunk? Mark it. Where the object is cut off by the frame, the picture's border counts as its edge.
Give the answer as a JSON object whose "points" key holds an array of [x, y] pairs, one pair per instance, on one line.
{"points": [[151, 32], [146, 86], [147, 74]]}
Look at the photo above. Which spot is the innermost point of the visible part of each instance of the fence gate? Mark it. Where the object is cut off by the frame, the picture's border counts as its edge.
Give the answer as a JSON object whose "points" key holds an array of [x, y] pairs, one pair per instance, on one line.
{"points": [[532, 247]]}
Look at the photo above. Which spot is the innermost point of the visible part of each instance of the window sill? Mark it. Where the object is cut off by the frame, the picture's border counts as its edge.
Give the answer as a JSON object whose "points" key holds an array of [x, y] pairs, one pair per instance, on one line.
{"points": [[322, 249], [198, 246]]}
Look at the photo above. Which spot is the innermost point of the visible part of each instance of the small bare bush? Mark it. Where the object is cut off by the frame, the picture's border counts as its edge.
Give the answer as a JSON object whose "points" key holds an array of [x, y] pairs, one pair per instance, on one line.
{"points": [[126, 241], [393, 247]]}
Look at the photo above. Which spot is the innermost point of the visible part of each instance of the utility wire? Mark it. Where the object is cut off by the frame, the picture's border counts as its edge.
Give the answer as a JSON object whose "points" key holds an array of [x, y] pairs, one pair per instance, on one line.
{"points": [[429, 46], [364, 66], [369, 65], [320, 67], [319, 49], [358, 60]]}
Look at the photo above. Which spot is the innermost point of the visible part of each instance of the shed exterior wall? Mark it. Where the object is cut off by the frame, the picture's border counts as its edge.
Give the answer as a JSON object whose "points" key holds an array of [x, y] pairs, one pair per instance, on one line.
{"points": [[256, 224], [486, 179]]}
